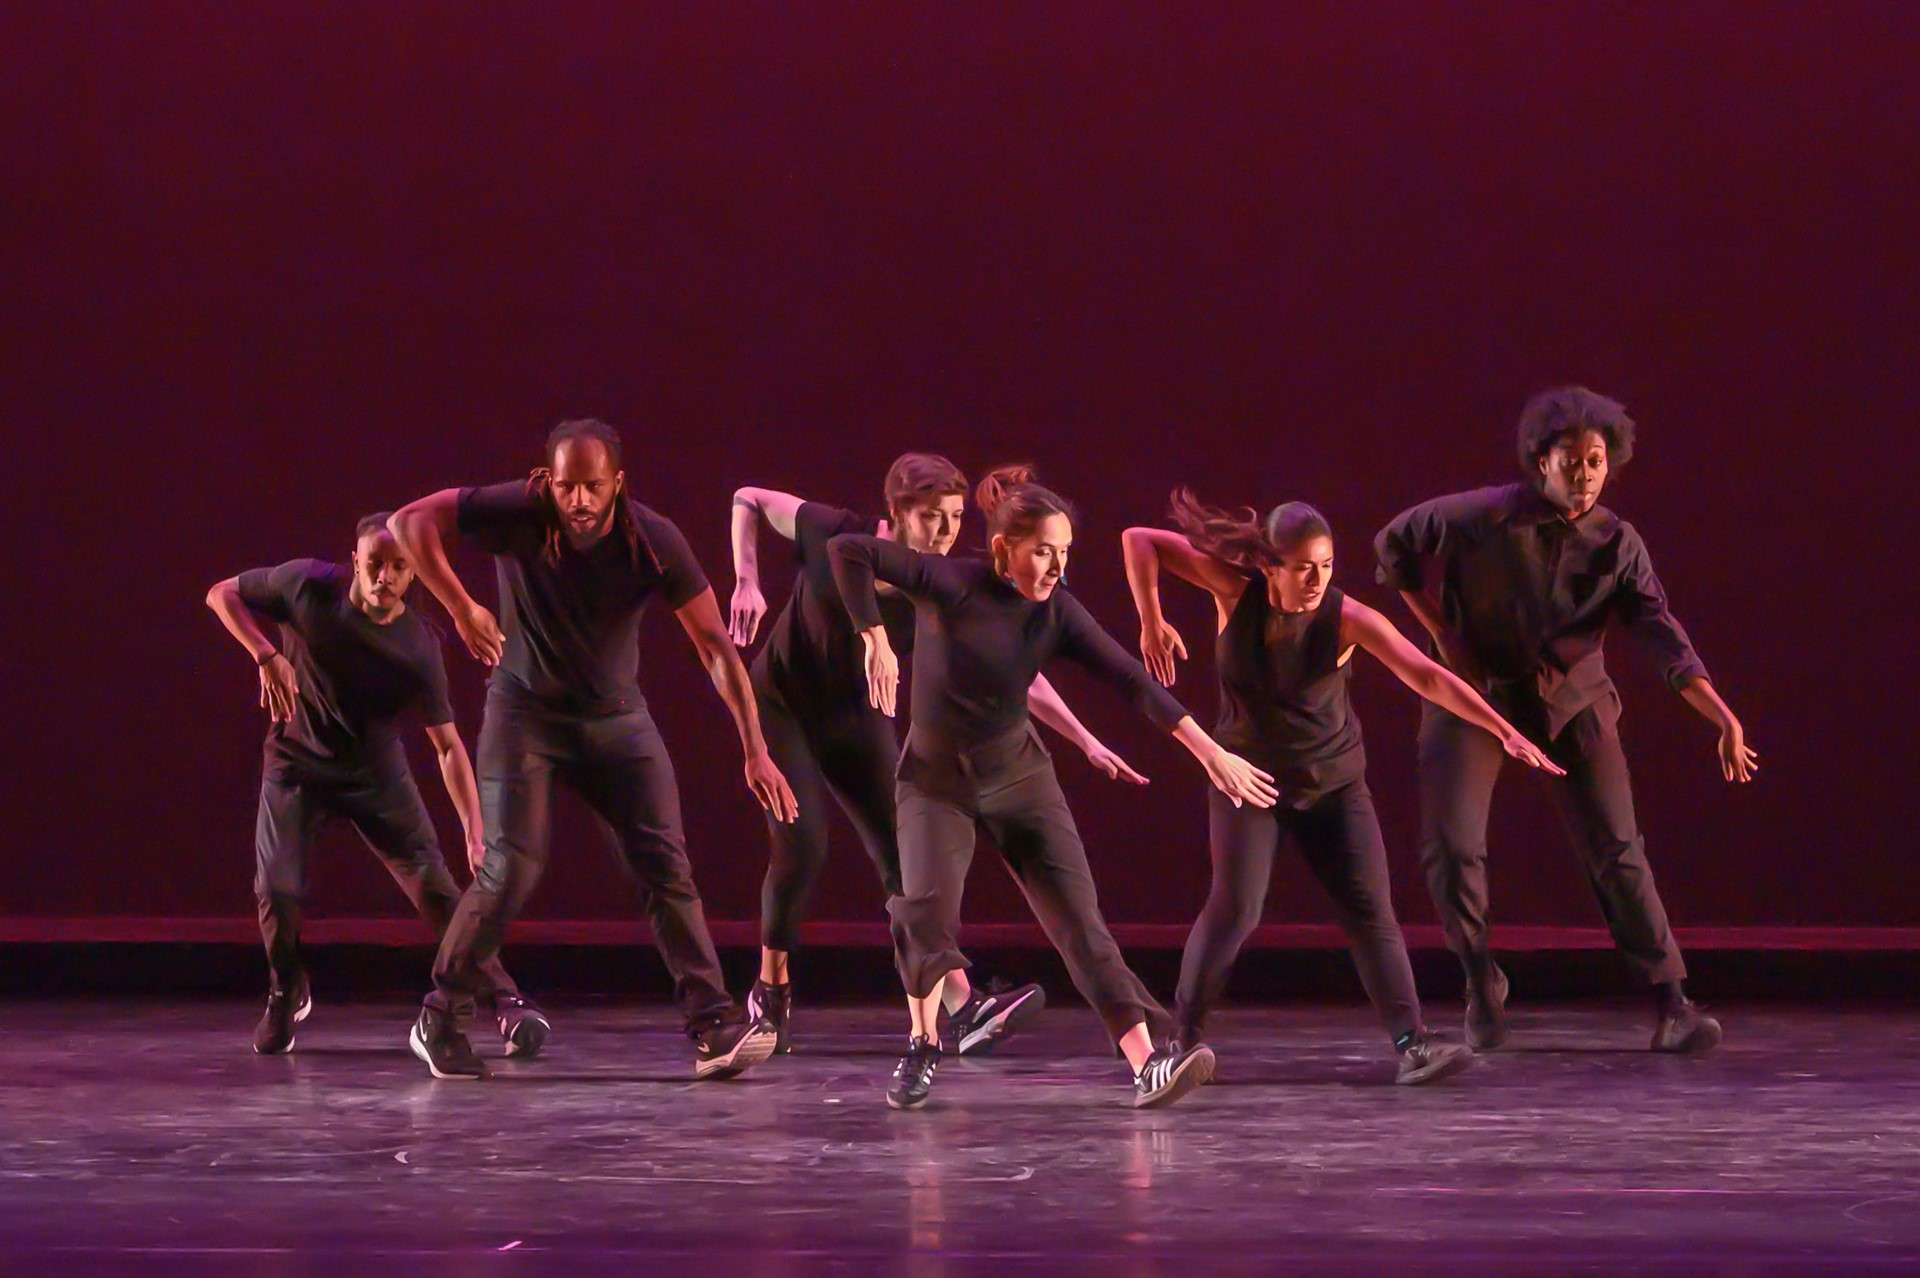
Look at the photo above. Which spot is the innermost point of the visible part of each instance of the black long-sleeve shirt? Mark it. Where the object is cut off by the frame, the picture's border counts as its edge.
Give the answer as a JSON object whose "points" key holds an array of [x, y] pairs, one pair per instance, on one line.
{"points": [[979, 642], [1530, 594]]}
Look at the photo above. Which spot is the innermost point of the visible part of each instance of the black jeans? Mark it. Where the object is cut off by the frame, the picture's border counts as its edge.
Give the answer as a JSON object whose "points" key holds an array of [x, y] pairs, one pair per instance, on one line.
{"points": [[385, 808], [1007, 789], [851, 755], [619, 765], [1459, 765], [1340, 836]]}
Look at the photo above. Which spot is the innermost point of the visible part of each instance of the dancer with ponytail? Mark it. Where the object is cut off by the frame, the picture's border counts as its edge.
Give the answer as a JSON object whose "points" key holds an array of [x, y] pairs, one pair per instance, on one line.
{"points": [[1286, 638], [974, 762], [578, 562], [825, 735]]}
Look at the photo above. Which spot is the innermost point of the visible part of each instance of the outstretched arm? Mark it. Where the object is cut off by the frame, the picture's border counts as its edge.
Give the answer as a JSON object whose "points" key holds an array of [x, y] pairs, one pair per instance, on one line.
{"points": [[859, 561], [1046, 704], [1365, 627], [700, 618], [750, 506], [456, 770], [1145, 551], [423, 528], [279, 688]]}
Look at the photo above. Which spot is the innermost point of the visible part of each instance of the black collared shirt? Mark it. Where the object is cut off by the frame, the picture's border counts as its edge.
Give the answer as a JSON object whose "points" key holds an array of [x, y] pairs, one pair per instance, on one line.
{"points": [[572, 620], [1530, 594]]}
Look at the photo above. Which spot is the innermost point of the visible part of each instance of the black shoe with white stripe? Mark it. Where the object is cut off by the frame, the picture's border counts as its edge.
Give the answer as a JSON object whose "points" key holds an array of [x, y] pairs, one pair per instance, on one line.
{"points": [[913, 1076], [523, 1027], [273, 1036], [1171, 1073], [436, 1038], [732, 1047], [986, 1020], [772, 1004]]}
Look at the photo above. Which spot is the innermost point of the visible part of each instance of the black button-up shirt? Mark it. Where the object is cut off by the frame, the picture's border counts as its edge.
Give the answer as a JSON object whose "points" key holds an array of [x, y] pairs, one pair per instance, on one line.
{"points": [[1530, 594]]}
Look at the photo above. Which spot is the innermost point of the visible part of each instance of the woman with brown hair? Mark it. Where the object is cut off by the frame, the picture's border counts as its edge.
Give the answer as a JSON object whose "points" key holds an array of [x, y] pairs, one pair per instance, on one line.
{"points": [[1286, 641], [973, 762]]}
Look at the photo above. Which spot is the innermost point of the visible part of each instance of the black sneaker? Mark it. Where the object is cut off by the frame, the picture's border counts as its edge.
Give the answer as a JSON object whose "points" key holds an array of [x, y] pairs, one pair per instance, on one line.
{"points": [[273, 1036], [772, 1003], [437, 1040], [1427, 1060], [1686, 1029], [984, 1021], [1171, 1073], [913, 1076], [732, 1047], [1487, 1010], [523, 1027]]}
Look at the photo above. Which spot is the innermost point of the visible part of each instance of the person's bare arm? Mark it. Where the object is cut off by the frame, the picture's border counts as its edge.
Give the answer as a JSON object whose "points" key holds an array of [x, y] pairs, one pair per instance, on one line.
{"points": [[700, 618], [456, 770], [1365, 627], [1145, 551], [1738, 761], [423, 529], [1046, 704], [279, 687], [750, 506]]}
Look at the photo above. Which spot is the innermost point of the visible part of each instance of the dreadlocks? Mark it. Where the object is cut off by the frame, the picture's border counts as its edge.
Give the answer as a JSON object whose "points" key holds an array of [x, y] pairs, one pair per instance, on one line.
{"points": [[540, 487]]}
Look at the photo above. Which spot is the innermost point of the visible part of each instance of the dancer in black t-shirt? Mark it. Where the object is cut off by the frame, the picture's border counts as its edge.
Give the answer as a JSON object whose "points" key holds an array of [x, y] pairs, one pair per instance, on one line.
{"points": [[1284, 653], [578, 562], [352, 659]]}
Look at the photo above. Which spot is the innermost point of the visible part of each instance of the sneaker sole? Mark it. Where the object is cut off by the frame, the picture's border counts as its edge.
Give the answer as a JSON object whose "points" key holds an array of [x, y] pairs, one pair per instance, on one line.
{"points": [[419, 1046], [529, 1036], [1002, 1026], [300, 1013], [1433, 1073], [1194, 1072], [755, 1047], [906, 1104]]}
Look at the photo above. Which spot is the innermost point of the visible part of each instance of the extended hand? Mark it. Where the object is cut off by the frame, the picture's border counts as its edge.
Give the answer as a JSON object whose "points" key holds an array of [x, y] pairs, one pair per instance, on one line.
{"points": [[1738, 762], [1160, 643], [481, 633], [476, 855], [1530, 754], [748, 607], [883, 671], [1241, 781], [1113, 765], [279, 688], [771, 788]]}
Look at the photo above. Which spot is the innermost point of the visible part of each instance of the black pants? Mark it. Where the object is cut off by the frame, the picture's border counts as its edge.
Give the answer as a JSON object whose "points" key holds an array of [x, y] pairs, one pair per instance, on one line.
{"points": [[851, 755], [385, 808], [1340, 836], [1007, 789], [1459, 765], [619, 765]]}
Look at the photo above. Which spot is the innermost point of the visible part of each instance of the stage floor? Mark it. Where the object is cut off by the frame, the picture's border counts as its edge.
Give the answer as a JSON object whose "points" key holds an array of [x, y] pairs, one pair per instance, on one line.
{"points": [[146, 1137]]}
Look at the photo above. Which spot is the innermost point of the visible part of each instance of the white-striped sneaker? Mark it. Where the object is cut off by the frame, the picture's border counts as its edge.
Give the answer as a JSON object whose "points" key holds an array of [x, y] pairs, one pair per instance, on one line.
{"points": [[1171, 1073]]}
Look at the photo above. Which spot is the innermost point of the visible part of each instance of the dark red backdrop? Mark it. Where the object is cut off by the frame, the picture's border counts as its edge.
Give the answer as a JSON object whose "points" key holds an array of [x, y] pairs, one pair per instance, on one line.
{"points": [[268, 267]]}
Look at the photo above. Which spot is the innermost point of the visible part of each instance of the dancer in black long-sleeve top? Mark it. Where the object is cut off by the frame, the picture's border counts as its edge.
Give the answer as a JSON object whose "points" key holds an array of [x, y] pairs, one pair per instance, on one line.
{"points": [[578, 563], [1529, 576], [1286, 641], [826, 737], [352, 659], [973, 761]]}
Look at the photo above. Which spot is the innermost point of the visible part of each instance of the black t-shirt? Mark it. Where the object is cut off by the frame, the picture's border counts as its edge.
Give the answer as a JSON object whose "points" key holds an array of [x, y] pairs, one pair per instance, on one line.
{"points": [[813, 657], [572, 617], [356, 677], [979, 642], [1531, 594], [1283, 695]]}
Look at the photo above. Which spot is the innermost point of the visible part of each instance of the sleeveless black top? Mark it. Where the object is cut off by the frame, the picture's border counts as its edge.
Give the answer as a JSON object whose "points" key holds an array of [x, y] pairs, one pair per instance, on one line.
{"points": [[1283, 695]]}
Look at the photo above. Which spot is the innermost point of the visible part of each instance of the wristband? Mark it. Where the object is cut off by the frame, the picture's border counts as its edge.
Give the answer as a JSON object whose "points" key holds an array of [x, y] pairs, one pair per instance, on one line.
{"points": [[271, 654]]}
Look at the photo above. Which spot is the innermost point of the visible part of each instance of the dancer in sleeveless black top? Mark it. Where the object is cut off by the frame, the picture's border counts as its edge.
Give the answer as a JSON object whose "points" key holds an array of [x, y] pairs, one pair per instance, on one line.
{"points": [[973, 761], [826, 738], [1285, 649]]}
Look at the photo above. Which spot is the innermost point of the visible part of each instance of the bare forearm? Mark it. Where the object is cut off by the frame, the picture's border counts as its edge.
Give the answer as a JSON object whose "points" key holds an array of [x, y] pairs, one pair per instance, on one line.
{"points": [[456, 770], [746, 540], [423, 539], [1046, 705], [1452, 693], [240, 622], [1700, 694], [730, 679], [1143, 574]]}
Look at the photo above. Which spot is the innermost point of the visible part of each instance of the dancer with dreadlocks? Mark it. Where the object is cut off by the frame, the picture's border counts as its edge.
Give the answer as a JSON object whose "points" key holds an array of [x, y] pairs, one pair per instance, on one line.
{"points": [[974, 762], [1287, 636], [578, 562]]}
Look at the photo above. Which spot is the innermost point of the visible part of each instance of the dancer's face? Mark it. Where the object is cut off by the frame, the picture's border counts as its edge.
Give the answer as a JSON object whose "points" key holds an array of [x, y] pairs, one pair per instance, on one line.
{"points": [[932, 526], [1574, 471], [1036, 563], [585, 486], [382, 571], [1300, 582]]}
